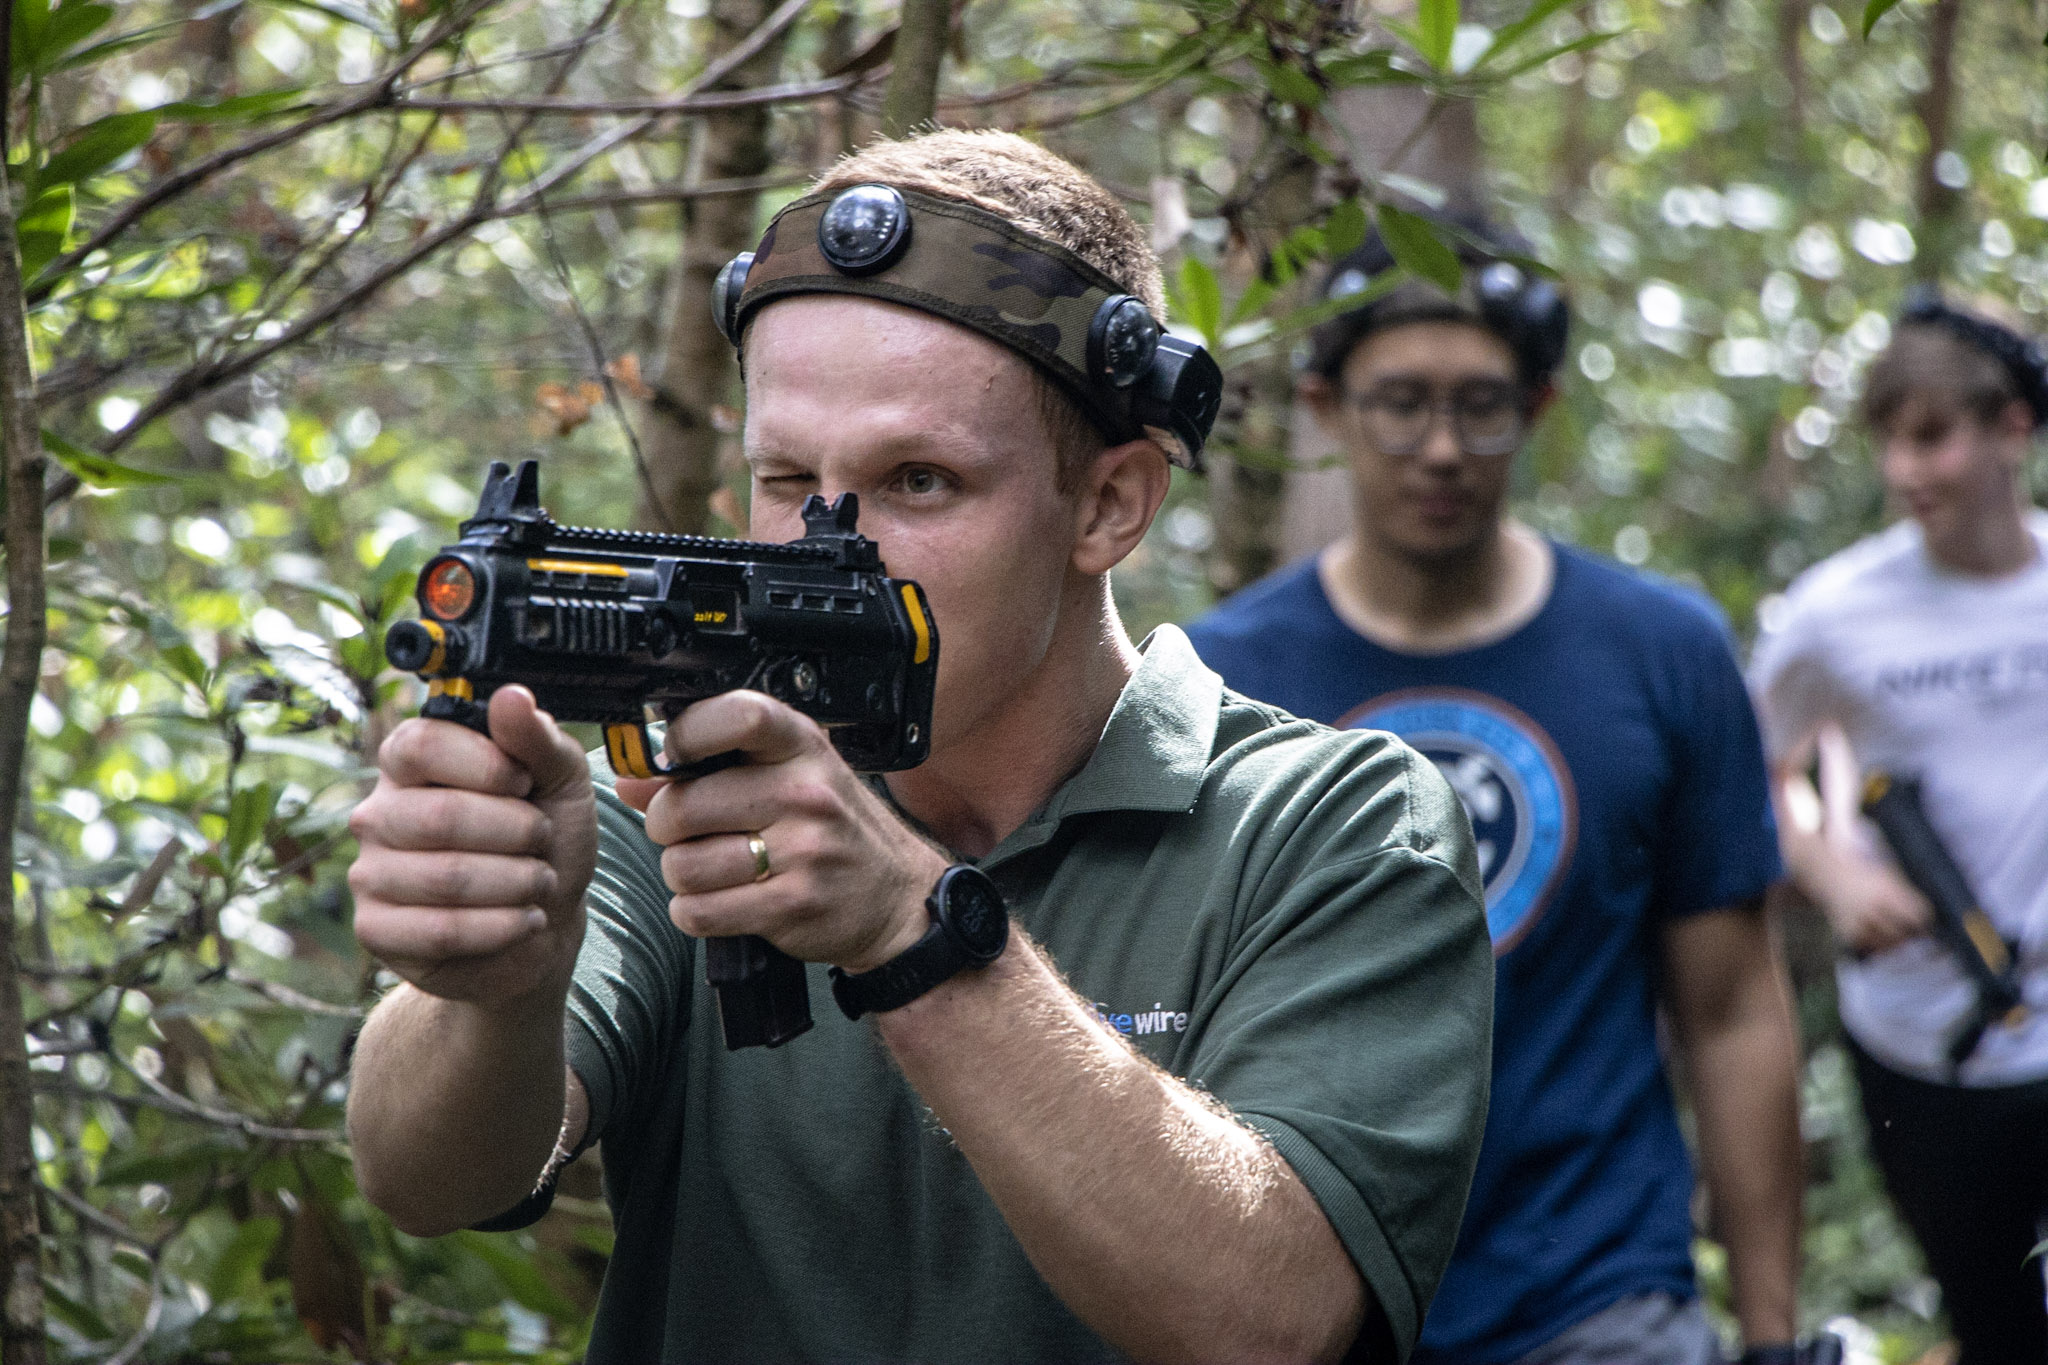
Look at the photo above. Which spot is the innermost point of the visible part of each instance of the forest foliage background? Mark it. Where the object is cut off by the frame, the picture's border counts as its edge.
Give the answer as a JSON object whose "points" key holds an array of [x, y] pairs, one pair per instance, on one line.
{"points": [[293, 271]]}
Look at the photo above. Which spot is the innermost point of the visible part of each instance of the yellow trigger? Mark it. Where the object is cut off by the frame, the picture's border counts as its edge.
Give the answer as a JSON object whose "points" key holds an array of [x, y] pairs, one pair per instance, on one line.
{"points": [[626, 746]]}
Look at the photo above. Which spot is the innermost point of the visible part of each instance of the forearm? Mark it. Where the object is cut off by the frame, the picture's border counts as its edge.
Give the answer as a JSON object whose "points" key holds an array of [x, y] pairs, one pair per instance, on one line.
{"points": [[1744, 1072], [453, 1109], [1028, 1083], [1819, 864]]}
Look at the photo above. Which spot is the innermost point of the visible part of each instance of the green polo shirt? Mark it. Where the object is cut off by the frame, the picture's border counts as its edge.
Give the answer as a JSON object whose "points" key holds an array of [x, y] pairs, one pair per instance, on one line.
{"points": [[1286, 916]]}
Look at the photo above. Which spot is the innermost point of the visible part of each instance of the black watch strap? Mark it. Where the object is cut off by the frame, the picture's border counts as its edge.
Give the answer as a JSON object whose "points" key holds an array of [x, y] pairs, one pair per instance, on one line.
{"points": [[969, 929]]}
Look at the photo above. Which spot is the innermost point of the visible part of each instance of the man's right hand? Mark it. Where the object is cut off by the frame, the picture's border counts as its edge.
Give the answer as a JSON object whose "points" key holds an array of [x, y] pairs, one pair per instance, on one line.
{"points": [[1873, 909], [475, 854]]}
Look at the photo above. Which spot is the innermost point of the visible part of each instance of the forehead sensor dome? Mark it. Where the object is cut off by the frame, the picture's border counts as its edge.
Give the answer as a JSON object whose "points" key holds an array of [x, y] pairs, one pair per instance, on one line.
{"points": [[865, 229]]}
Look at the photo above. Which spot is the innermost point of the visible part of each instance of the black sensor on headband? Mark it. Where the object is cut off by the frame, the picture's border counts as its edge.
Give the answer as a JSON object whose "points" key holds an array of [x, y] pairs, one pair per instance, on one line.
{"points": [[962, 263], [1524, 309]]}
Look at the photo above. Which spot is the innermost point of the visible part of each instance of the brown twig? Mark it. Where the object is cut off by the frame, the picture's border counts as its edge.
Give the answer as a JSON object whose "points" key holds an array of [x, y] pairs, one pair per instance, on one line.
{"points": [[205, 376], [172, 1103], [144, 891], [379, 96], [701, 102], [285, 995]]}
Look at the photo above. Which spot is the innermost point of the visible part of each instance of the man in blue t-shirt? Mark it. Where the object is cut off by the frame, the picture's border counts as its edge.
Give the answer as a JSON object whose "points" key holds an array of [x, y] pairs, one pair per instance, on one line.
{"points": [[1595, 723]]}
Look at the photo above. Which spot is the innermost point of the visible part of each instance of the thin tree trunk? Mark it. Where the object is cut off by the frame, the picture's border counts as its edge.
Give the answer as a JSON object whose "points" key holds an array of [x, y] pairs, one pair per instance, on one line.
{"points": [[913, 94], [1791, 22], [1936, 201], [21, 1281], [1247, 494], [681, 437]]}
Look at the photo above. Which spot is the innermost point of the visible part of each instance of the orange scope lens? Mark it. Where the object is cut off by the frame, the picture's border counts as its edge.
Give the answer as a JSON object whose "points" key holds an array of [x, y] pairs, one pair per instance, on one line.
{"points": [[449, 589]]}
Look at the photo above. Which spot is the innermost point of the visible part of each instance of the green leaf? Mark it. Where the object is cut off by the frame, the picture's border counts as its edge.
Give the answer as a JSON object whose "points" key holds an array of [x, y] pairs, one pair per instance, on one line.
{"points": [[1199, 299], [1344, 232], [1436, 24], [248, 813], [118, 43], [75, 1314], [165, 1167], [69, 26], [1874, 11], [238, 107], [521, 1278], [1291, 85], [97, 470], [1365, 68], [1297, 250], [1512, 33], [240, 1263], [25, 37], [42, 229], [1299, 320], [1253, 301], [96, 146], [1418, 249], [1585, 44]]}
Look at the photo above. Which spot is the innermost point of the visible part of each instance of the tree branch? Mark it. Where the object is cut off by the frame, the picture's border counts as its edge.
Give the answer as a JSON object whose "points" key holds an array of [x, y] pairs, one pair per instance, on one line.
{"points": [[170, 1102], [700, 102], [21, 444], [913, 93], [381, 95], [205, 376]]}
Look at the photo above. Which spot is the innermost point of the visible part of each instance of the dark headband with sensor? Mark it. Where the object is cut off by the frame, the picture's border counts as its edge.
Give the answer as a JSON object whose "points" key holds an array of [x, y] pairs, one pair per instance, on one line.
{"points": [[2021, 357], [1523, 309], [1101, 345]]}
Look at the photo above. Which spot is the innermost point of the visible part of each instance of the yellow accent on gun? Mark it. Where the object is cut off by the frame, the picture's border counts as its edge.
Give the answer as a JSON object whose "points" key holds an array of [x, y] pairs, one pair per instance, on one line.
{"points": [[918, 625], [581, 566]]}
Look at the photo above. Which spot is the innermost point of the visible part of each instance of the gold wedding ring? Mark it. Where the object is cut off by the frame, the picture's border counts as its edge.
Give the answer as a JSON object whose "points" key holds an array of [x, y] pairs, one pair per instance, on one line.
{"points": [[758, 846]]}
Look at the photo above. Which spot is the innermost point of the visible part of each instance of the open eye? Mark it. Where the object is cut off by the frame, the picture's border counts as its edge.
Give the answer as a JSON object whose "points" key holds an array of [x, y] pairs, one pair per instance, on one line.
{"points": [[920, 480]]}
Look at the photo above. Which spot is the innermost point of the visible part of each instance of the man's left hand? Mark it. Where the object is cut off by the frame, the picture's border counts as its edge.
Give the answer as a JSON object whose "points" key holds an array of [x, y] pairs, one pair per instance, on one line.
{"points": [[846, 879]]}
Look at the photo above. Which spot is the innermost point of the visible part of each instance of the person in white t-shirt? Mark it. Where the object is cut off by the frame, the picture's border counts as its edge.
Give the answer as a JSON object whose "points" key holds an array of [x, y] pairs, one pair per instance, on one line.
{"points": [[1923, 652]]}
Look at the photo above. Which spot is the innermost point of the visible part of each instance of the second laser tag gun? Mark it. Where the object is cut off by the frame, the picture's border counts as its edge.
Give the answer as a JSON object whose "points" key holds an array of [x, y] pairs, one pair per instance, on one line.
{"points": [[1960, 924], [608, 626]]}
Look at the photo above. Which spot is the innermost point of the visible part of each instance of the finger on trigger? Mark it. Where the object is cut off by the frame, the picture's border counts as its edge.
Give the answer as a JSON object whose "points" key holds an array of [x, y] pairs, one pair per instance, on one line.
{"points": [[440, 753], [756, 724]]}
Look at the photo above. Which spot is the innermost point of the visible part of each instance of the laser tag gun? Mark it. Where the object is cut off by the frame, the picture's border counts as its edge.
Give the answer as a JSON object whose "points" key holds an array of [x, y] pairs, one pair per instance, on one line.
{"points": [[1960, 924], [608, 626]]}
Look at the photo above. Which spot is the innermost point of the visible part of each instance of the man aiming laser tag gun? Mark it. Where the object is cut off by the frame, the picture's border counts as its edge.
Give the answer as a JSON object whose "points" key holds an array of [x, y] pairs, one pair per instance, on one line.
{"points": [[1960, 924], [605, 626]]}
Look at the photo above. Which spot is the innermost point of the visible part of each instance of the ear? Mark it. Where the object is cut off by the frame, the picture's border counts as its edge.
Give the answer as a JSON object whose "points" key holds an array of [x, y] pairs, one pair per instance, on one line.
{"points": [[1540, 401], [1322, 399], [2017, 423], [1119, 495]]}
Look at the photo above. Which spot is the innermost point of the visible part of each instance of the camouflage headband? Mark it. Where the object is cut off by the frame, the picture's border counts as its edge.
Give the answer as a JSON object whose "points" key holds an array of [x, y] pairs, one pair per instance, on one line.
{"points": [[941, 256]]}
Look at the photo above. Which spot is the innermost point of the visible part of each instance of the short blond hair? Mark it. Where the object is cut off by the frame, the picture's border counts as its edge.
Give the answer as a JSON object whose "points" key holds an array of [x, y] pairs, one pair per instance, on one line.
{"points": [[1040, 191], [1046, 195]]}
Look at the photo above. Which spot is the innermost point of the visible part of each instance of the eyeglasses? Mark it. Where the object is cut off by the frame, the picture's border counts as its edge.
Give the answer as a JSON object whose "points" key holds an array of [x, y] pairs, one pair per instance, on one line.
{"points": [[1488, 417]]}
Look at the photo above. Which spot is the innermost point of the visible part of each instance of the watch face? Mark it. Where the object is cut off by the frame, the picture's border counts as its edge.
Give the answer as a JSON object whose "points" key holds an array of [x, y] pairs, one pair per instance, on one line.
{"points": [[975, 912]]}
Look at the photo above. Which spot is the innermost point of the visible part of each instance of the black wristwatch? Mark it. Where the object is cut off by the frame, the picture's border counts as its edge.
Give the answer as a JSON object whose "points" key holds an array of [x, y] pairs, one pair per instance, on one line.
{"points": [[1825, 1349], [970, 926]]}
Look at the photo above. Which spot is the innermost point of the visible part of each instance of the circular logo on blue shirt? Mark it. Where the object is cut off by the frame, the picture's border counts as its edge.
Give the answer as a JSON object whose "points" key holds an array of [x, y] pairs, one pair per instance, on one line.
{"points": [[1514, 785]]}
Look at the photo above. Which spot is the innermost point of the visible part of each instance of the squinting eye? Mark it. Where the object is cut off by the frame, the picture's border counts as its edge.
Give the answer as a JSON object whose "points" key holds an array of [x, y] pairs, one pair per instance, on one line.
{"points": [[920, 481]]}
